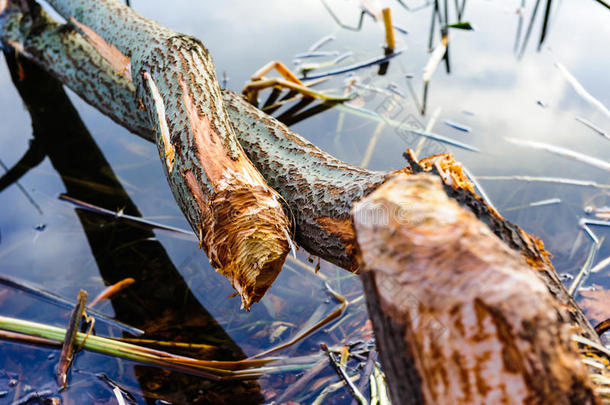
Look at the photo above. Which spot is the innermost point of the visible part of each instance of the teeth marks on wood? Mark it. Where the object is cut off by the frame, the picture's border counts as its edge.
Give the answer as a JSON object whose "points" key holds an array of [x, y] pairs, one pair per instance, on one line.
{"points": [[278, 153]]}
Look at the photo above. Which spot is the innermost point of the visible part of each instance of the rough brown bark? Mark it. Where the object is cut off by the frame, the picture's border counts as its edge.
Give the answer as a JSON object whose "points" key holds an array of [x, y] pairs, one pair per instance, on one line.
{"points": [[321, 191], [459, 317]]}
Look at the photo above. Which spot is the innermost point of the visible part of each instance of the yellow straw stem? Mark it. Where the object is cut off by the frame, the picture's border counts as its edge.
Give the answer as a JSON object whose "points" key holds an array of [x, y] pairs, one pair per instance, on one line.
{"points": [[389, 30]]}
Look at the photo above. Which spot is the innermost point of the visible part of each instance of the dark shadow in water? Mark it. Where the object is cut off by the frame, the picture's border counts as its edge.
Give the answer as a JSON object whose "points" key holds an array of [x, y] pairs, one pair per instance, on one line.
{"points": [[160, 301]]}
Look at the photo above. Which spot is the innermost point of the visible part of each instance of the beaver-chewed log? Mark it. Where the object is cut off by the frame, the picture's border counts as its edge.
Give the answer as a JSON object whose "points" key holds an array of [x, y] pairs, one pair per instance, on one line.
{"points": [[238, 218], [319, 190], [459, 317]]}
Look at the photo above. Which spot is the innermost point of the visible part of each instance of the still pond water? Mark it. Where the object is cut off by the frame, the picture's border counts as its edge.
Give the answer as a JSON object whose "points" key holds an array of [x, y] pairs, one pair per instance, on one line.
{"points": [[492, 94]]}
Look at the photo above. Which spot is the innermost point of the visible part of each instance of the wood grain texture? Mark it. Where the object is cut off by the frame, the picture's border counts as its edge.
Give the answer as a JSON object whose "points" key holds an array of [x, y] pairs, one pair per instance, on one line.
{"points": [[317, 189], [464, 310], [176, 85]]}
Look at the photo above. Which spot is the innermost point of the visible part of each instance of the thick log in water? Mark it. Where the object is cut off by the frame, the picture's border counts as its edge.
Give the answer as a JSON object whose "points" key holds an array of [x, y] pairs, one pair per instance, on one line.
{"points": [[319, 192], [459, 317]]}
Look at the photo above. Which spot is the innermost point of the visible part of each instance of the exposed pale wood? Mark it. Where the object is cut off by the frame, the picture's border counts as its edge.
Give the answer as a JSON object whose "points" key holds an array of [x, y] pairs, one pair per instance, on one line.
{"points": [[459, 317], [319, 192], [238, 218]]}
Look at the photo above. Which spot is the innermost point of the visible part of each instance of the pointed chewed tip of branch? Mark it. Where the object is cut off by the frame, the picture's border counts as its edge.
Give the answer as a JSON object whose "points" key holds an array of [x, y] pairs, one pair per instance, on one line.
{"points": [[248, 239], [258, 263]]}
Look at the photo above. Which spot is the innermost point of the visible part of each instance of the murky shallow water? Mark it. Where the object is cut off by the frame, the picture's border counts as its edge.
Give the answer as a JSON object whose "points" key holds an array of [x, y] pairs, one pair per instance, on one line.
{"points": [[178, 296]]}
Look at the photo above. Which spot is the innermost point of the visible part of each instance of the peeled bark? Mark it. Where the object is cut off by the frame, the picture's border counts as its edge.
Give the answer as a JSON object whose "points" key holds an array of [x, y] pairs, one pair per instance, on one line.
{"points": [[319, 192], [236, 215], [160, 301], [457, 311], [294, 167], [317, 188]]}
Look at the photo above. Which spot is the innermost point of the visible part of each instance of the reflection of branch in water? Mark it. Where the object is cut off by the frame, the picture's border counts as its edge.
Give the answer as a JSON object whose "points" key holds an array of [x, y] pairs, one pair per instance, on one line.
{"points": [[529, 29], [545, 23], [519, 13], [294, 115], [358, 26], [159, 302], [375, 14], [30, 159], [460, 9], [604, 3], [412, 9]]}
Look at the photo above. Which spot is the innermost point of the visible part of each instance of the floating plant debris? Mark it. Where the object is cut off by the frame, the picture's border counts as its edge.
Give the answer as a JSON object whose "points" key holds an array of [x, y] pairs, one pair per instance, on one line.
{"points": [[339, 71], [128, 218], [320, 43], [458, 126], [402, 126], [593, 127], [544, 179], [581, 91], [558, 150]]}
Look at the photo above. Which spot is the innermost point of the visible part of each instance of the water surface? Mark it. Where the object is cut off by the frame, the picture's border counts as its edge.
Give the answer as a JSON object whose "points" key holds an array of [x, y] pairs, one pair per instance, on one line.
{"points": [[490, 89]]}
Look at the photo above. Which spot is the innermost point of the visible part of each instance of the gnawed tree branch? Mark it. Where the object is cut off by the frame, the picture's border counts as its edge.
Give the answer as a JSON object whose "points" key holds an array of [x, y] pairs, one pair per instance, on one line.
{"points": [[236, 215], [459, 317], [293, 166], [151, 303], [318, 189]]}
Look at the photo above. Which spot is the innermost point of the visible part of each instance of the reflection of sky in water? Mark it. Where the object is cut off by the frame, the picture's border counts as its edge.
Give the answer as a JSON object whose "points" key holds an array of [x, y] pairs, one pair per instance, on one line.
{"points": [[486, 80]]}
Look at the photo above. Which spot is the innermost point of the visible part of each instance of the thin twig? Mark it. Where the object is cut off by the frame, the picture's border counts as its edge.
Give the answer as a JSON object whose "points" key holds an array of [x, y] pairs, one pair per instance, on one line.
{"points": [[593, 127], [304, 333], [558, 150], [128, 218], [343, 375], [529, 29], [585, 269], [545, 23], [358, 27], [23, 190], [366, 373], [112, 290], [542, 179], [371, 62], [57, 300]]}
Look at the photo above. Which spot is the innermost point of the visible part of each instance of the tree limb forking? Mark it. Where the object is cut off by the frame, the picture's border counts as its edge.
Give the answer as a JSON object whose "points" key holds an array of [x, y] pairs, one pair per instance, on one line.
{"points": [[478, 271], [317, 188]]}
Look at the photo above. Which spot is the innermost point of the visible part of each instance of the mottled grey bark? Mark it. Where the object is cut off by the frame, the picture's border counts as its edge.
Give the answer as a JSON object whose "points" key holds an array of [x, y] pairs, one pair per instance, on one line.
{"points": [[237, 217], [318, 189]]}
